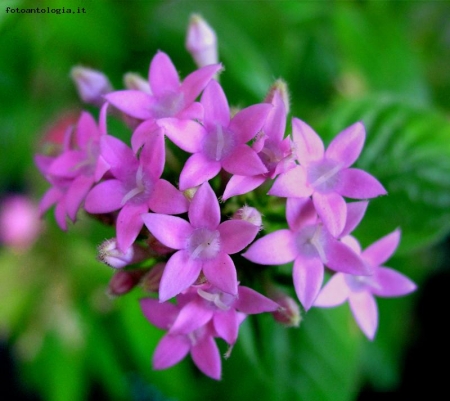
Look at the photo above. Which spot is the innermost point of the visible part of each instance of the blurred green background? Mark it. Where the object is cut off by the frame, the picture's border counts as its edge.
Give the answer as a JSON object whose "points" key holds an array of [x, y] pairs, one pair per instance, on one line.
{"points": [[385, 63]]}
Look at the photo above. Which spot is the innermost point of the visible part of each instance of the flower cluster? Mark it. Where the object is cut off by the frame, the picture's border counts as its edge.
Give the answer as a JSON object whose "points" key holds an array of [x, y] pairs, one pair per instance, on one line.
{"points": [[166, 210]]}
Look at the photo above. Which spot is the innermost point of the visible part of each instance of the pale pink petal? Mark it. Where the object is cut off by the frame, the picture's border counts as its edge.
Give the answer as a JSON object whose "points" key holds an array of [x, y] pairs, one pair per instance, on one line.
{"points": [[215, 104], [299, 213], [105, 197], [227, 326], [134, 103], [355, 213], [357, 184], [235, 235], [160, 314], [191, 317], [390, 283], [153, 155], [243, 161], [170, 351], [365, 312], [76, 194], [195, 82], [251, 302], [192, 112], [162, 75], [187, 135], [308, 277], [170, 230], [335, 292], [180, 272], [205, 210], [129, 224], [86, 130], [119, 156], [273, 249], [206, 356], [197, 170], [341, 258], [221, 273], [167, 199], [347, 146], [381, 250], [247, 122], [101, 168], [308, 145], [291, 184], [240, 184], [332, 209]]}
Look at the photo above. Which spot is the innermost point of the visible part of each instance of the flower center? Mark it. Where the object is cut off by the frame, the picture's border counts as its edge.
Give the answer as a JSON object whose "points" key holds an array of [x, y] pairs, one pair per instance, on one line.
{"points": [[219, 143], [168, 105], [322, 175], [204, 243], [217, 299], [141, 191], [309, 242]]}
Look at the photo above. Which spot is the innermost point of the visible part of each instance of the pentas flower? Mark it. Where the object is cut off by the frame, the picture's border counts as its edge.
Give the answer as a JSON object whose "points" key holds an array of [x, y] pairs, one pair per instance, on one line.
{"points": [[173, 347], [203, 245], [76, 169], [310, 246], [326, 174], [359, 291], [206, 303], [168, 97], [136, 185], [221, 142], [274, 151]]}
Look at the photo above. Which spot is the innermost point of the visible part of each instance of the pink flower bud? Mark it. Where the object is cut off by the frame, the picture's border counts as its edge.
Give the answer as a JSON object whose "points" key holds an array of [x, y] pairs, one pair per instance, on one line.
{"points": [[19, 222], [150, 282], [249, 214], [136, 82], [156, 247], [124, 281], [281, 87], [91, 85], [109, 253], [289, 312], [201, 41]]}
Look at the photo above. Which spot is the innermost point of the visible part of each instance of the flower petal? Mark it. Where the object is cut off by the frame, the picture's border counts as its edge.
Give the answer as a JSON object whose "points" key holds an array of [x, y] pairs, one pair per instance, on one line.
{"points": [[162, 75], [76, 194], [235, 235], [251, 302], [247, 122], [206, 356], [390, 283], [187, 135], [355, 213], [119, 156], [197, 170], [332, 209], [170, 351], [300, 212], [160, 314], [275, 124], [240, 184], [308, 145], [308, 278], [243, 161], [215, 104], [381, 250], [365, 312], [291, 184], [170, 230], [191, 317], [134, 103], [273, 249], [105, 197], [357, 184], [129, 224], [335, 292], [227, 326], [196, 81], [221, 273], [180, 273], [346, 147], [204, 210], [167, 199]]}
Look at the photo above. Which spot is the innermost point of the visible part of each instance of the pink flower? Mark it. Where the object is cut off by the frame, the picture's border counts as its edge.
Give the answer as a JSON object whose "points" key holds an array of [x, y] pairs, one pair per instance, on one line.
{"points": [[136, 185], [359, 291], [203, 245], [308, 243], [220, 142], [326, 174]]}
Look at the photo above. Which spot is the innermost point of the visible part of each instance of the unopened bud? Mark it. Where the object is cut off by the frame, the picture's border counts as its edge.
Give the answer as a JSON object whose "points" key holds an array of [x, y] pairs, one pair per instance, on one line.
{"points": [[91, 85], [136, 82], [156, 247], [110, 254], [201, 41], [150, 282], [124, 281], [289, 312], [279, 87], [189, 193], [250, 214]]}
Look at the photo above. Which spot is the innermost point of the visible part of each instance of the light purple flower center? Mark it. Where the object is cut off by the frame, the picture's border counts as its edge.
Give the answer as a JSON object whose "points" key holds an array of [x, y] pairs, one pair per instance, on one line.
{"points": [[168, 105], [271, 155], [140, 190], [309, 242], [204, 243], [217, 299], [322, 175], [219, 143]]}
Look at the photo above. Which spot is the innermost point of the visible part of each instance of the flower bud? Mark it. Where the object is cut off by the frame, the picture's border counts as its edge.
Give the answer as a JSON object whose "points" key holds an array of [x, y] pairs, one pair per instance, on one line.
{"points": [[91, 85], [150, 282], [124, 281], [189, 193], [110, 254], [201, 41], [289, 312], [280, 87], [136, 82], [249, 214], [156, 247]]}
